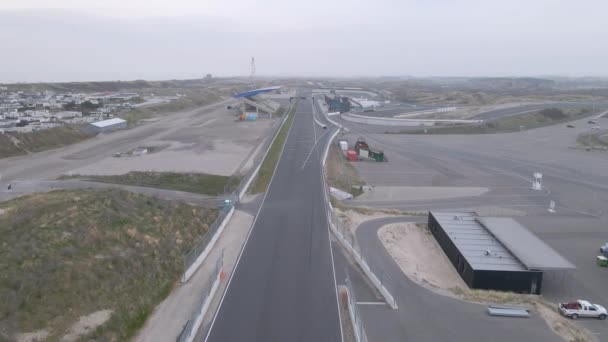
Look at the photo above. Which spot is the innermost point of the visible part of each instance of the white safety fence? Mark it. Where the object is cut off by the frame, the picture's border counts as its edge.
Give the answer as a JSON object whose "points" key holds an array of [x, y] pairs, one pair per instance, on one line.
{"points": [[353, 311], [345, 235], [349, 241]]}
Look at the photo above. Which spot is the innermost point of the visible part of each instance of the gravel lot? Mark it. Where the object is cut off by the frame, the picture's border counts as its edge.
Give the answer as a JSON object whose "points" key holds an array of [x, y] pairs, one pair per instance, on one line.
{"points": [[203, 140]]}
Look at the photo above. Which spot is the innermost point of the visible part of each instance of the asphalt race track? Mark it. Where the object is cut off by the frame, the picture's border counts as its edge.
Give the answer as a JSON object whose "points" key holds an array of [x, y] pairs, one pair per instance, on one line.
{"points": [[283, 288]]}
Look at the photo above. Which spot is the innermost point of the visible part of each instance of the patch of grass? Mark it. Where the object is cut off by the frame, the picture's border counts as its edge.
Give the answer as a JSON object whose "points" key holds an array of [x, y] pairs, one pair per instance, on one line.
{"points": [[192, 100], [200, 183], [545, 117], [560, 325], [8, 148], [371, 211], [341, 174], [66, 254], [12, 144], [261, 182], [280, 112]]}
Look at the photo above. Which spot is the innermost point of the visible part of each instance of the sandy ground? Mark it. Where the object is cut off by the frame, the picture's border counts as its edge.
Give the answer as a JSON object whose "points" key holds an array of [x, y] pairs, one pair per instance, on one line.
{"points": [[170, 316], [563, 326], [86, 324], [36, 336], [352, 219], [419, 256], [419, 193]]}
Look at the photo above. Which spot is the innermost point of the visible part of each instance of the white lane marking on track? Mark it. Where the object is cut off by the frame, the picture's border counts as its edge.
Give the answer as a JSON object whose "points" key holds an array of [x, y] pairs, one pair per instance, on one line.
{"points": [[313, 148], [333, 266]]}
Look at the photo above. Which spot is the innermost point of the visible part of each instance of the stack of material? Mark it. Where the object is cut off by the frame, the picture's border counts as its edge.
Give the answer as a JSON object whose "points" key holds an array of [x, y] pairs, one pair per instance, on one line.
{"points": [[351, 155], [339, 194], [508, 311], [343, 145]]}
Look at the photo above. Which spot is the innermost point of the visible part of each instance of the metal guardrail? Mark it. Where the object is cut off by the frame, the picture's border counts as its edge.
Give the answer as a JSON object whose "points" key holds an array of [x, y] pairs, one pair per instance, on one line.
{"points": [[355, 316], [199, 246], [191, 326], [347, 237]]}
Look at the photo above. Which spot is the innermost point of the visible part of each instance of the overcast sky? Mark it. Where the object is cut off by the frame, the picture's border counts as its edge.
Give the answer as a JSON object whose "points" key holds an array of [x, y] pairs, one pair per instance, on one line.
{"points": [[77, 40]]}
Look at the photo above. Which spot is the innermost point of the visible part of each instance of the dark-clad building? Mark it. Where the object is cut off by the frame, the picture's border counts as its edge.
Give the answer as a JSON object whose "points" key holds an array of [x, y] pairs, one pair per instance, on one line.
{"points": [[494, 253]]}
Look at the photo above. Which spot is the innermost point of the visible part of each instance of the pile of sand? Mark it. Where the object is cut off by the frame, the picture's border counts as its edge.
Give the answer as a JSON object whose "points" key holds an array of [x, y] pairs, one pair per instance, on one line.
{"points": [[419, 256], [86, 324]]}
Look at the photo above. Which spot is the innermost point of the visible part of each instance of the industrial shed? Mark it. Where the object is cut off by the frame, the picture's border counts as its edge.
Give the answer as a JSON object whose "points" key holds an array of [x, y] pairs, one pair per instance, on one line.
{"points": [[494, 253], [108, 125]]}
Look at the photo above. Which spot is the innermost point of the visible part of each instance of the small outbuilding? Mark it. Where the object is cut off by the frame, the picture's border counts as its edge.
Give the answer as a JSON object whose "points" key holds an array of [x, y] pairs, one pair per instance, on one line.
{"points": [[494, 253], [108, 125]]}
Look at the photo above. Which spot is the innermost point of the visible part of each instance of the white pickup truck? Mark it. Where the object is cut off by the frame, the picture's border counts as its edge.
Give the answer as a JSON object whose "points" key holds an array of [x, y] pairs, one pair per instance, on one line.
{"points": [[582, 308]]}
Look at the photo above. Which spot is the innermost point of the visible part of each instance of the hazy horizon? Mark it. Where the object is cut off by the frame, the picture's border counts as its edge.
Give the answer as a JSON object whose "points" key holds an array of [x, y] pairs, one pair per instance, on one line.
{"points": [[113, 40]]}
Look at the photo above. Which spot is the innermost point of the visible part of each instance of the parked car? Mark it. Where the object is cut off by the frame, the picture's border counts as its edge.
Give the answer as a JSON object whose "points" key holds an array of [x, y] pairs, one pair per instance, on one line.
{"points": [[582, 308], [591, 122], [570, 126]]}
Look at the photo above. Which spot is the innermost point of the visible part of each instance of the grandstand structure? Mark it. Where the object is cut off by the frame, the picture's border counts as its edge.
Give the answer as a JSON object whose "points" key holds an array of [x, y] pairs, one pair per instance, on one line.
{"points": [[256, 106]]}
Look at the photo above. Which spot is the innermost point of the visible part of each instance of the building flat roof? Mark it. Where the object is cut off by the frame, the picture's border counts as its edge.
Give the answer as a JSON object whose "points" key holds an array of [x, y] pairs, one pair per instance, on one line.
{"points": [[109, 122], [480, 248], [529, 249]]}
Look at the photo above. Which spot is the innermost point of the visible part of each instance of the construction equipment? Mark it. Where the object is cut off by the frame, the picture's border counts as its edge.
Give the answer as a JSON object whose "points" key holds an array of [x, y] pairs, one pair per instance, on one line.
{"points": [[376, 155], [360, 144], [365, 152]]}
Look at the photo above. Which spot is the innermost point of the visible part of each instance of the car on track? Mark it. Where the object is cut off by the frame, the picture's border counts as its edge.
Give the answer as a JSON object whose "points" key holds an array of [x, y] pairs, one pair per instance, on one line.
{"points": [[582, 308]]}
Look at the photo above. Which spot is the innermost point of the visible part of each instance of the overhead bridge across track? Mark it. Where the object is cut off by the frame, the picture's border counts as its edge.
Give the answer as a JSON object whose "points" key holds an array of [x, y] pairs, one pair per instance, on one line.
{"points": [[261, 105], [252, 93], [252, 102]]}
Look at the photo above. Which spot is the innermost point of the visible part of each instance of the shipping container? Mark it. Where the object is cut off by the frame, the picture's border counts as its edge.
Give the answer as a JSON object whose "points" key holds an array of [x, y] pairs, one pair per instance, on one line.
{"points": [[352, 155], [363, 153]]}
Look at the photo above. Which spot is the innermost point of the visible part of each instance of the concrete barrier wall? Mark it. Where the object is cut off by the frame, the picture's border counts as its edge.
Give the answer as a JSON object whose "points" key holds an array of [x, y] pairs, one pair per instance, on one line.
{"points": [[369, 120], [331, 217], [199, 260]]}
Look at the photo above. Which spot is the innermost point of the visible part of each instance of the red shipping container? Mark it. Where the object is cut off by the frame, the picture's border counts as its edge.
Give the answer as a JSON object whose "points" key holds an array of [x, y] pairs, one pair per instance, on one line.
{"points": [[351, 155]]}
